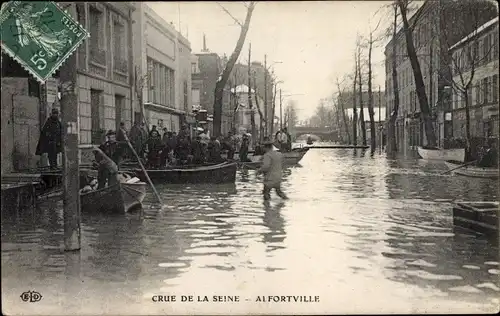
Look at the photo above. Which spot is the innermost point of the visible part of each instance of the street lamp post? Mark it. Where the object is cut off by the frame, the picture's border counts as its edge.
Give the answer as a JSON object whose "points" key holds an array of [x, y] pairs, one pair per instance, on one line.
{"points": [[281, 111], [266, 69]]}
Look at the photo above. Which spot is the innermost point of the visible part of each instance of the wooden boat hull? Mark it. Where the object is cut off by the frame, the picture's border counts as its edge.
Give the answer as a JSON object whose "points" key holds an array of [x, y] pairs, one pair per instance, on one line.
{"points": [[456, 154], [133, 194], [480, 217], [107, 200], [473, 171], [289, 158], [220, 173]]}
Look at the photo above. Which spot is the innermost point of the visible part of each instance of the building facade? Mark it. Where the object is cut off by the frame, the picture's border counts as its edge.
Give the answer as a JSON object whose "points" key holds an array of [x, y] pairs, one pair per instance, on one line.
{"points": [[206, 67], [104, 69], [439, 25], [163, 65], [482, 45]]}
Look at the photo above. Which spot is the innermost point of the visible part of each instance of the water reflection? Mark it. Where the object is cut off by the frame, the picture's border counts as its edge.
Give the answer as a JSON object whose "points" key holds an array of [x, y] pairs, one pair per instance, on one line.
{"points": [[355, 223], [275, 237]]}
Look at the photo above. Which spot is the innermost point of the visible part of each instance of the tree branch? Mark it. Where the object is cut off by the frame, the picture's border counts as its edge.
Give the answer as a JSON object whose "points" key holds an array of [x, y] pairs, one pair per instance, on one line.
{"points": [[229, 13]]}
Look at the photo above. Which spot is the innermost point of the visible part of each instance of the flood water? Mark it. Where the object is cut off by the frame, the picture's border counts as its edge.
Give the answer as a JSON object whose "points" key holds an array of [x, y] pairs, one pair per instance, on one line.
{"points": [[365, 234]]}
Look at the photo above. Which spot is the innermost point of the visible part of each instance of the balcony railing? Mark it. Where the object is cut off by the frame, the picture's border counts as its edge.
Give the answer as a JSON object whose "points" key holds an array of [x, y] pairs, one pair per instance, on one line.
{"points": [[120, 64], [98, 55]]}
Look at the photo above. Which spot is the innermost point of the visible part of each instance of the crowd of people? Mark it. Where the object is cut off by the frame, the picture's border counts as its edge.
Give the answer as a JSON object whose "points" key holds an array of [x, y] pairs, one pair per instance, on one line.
{"points": [[170, 148]]}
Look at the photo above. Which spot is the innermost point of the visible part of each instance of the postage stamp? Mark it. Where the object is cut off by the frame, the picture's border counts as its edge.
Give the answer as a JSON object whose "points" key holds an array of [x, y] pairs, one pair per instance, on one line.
{"points": [[39, 35]]}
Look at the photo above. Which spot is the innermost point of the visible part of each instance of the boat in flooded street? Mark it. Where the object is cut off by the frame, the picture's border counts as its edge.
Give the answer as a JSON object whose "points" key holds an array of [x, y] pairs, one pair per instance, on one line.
{"points": [[210, 173], [456, 154], [472, 171], [290, 158]]}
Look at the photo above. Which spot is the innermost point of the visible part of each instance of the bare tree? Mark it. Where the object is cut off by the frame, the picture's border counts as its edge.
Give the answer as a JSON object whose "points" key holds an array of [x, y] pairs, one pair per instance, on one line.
{"points": [[417, 72], [250, 103], [261, 115], [222, 81], [273, 111], [371, 113], [344, 115], [354, 107], [392, 146], [360, 91]]}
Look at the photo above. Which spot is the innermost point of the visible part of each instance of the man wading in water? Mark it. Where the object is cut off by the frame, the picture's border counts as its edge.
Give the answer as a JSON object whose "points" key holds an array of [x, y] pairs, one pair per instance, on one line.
{"points": [[272, 165]]}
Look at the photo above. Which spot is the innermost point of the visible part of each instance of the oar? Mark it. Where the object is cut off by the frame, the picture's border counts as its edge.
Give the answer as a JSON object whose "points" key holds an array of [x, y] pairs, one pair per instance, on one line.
{"points": [[144, 170], [461, 166]]}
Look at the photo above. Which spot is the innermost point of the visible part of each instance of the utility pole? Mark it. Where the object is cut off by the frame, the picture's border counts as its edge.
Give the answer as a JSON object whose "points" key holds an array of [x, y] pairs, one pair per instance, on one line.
{"points": [[265, 94], [281, 111], [273, 109], [379, 117], [71, 167]]}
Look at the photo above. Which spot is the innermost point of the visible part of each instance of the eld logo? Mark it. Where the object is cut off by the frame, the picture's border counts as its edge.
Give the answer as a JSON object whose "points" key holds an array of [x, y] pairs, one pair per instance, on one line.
{"points": [[31, 296]]}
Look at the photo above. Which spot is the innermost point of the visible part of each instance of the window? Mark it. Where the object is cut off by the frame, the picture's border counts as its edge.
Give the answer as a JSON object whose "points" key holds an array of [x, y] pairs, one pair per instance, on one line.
{"points": [[96, 42], [95, 115], [185, 95], [195, 97], [486, 48], [194, 68], [119, 108], [475, 51], [495, 88], [484, 87], [119, 58], [477, 87], [161, 84], [489, 85]]}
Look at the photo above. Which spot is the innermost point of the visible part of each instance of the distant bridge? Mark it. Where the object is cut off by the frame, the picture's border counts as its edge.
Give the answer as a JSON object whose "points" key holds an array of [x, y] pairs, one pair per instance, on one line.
{"points": [[325, 133]]}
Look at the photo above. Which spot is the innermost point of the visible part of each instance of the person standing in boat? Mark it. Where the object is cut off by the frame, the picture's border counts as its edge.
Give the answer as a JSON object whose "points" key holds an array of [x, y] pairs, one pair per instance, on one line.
{"points": [[107, 170], [50, 141], [154, 147], [229, 145], [197, 151], [288, 141], [182, 149], [110, 147], [272, 168], [214, 150], [244, 149], [171, 145], [153, 129]]}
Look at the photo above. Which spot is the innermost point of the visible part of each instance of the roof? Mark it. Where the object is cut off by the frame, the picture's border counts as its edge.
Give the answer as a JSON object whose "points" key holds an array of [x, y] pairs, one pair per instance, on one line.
{"points": [[478, 31]]}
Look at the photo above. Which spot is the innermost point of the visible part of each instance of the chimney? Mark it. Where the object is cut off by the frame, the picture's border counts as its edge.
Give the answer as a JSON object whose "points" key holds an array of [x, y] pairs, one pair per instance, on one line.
{"points": [[204, 43]]}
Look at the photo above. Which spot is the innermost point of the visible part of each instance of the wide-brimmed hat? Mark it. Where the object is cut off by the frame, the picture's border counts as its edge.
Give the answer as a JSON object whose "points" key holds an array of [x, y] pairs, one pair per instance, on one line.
{"points": [[110, 132]]}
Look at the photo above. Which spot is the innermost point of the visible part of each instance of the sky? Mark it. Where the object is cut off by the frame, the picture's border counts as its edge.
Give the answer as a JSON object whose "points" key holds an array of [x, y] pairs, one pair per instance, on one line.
{"points": [[314, 41]]}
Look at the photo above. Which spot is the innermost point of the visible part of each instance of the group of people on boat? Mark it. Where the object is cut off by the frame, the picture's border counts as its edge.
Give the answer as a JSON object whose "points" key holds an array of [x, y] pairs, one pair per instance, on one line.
{"points": [[283, 140]]}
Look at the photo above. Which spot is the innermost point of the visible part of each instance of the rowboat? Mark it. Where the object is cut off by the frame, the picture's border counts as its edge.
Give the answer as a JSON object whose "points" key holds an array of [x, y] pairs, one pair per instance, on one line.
{"points": [[133, 194], [456, 154], [106, 200], [290, 158], [473, 171], [119, 198], [216, 173]]}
